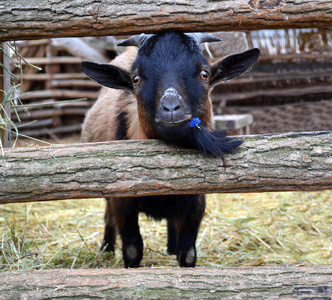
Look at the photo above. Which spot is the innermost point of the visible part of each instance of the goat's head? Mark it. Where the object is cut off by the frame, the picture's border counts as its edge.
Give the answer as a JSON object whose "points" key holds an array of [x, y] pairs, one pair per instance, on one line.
{"points": [[171, 80]]}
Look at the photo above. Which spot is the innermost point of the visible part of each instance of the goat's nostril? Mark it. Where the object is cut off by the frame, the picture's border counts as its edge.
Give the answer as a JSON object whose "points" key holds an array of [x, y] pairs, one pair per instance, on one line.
{"points": [[177, 107], [171, 105], [171, 109]]}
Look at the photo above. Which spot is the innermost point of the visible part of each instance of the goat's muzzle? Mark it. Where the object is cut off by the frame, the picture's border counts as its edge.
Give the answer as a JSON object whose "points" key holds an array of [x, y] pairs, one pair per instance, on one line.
{"points": [[172, 110]]}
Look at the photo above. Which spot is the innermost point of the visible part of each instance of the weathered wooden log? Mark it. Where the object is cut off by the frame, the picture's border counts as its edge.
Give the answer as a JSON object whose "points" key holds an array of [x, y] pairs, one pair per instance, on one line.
{"points": [[283, 282], [22, 20], [285, 162]]}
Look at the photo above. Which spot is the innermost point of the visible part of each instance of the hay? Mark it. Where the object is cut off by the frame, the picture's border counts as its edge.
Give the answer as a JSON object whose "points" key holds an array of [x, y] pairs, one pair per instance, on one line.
{"points": [[237, 230]]}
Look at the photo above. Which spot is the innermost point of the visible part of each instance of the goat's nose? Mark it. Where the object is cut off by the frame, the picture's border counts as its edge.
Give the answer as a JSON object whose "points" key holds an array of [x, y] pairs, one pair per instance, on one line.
{"points": [[171, 104]]}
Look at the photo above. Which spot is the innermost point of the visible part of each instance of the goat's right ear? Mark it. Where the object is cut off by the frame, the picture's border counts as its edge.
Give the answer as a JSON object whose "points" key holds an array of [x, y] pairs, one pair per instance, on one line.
{"points": [[108, 75], [233, 66]]}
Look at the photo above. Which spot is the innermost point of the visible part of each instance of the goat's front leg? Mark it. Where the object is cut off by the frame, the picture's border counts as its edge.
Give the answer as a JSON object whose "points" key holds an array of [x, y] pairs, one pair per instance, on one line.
{"points": [[125, 217], [172, 236], [188, 229], [132, 244]]}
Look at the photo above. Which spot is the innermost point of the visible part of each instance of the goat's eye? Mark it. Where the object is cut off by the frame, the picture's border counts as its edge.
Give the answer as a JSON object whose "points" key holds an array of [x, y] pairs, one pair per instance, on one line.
{"points": [[205, 75], [136, 80]]}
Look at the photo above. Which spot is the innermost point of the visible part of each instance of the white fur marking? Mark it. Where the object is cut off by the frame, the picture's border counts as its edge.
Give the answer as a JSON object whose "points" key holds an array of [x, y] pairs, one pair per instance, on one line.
{"points": [[131, 252], [171, 92], [190, 256]]}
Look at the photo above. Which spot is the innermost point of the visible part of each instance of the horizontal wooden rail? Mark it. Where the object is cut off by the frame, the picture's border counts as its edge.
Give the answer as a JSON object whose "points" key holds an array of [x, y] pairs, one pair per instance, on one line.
{"points": [[36, 19], [52, 76], [277, 92], [283, 283], [69, 94], [50, 60], [285, 162], [42, 132]]}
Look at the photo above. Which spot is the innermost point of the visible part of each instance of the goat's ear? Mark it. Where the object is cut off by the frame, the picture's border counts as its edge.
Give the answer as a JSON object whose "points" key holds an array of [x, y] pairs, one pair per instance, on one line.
{"points": [[233, 66], [108, 75]]}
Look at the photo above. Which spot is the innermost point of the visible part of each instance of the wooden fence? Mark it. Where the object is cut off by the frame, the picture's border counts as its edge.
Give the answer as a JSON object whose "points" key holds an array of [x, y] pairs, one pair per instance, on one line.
{"points": [[285, 162], [23, 19]]}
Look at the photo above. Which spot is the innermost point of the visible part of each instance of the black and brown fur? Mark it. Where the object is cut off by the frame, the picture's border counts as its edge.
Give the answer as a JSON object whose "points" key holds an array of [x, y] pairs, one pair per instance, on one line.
{"points": [[153, 93]]}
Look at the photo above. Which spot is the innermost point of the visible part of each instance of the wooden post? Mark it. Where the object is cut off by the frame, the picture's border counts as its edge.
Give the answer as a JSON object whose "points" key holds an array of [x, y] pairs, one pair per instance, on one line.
{"points": [[4, 89]]}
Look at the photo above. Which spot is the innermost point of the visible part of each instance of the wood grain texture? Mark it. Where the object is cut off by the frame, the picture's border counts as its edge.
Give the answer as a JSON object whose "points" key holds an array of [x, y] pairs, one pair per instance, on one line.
{"points": [[35, 19], [282, 282], [284, 162]]}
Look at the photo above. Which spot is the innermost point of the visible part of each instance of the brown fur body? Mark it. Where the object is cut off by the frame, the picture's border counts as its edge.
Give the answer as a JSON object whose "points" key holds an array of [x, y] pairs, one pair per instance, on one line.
{"points": [[100, 122]]}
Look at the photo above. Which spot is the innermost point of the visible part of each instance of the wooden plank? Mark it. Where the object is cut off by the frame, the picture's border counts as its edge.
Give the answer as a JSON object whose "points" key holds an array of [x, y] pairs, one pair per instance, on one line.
{"points": [[64, 129], [5, 110], [284, 162], [74, 83], [22, 20], [297, 58], [27, 43], [49, 113], [287, 92], [277, 282], [56, 60], [59, 76], [261, 77], [42, 104], [50, 122], [69, 94]]}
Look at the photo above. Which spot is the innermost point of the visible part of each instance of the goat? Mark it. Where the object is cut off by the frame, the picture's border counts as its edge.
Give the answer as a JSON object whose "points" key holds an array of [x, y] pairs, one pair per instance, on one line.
{"points": [[156, 91]]}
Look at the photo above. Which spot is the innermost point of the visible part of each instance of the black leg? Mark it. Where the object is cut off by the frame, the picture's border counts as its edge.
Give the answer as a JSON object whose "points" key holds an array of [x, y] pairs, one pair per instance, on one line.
{"points": [[132, 244], [188, 229], [110, 230], [186, 252], [172, 236], [125, 218]]}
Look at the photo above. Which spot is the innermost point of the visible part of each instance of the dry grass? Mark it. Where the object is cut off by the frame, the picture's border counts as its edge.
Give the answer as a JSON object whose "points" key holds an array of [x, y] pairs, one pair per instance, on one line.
{"points": [[238, 229]]}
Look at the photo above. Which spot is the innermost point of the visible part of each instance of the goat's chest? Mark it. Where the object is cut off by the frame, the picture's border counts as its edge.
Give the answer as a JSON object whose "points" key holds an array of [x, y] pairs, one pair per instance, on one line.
{"points": [[165, 207]]}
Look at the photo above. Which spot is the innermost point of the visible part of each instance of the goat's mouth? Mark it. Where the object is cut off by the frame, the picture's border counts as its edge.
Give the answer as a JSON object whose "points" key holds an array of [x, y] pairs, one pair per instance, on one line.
{"points": [[174, 123]]}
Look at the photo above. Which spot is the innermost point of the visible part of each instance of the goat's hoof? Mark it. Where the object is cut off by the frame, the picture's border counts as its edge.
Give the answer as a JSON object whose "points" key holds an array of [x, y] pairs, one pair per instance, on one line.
{"points": [[106, 247], [132, 256], [187, 259]]}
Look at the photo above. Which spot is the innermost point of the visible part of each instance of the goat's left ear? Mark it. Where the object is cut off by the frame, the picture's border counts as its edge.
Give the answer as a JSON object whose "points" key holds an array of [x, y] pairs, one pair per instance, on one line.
{"points": [[233, 66], [108, 75]]}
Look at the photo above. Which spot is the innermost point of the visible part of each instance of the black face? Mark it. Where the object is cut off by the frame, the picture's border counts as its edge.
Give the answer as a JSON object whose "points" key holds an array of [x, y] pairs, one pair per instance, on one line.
{"points": [[170, 78]]}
